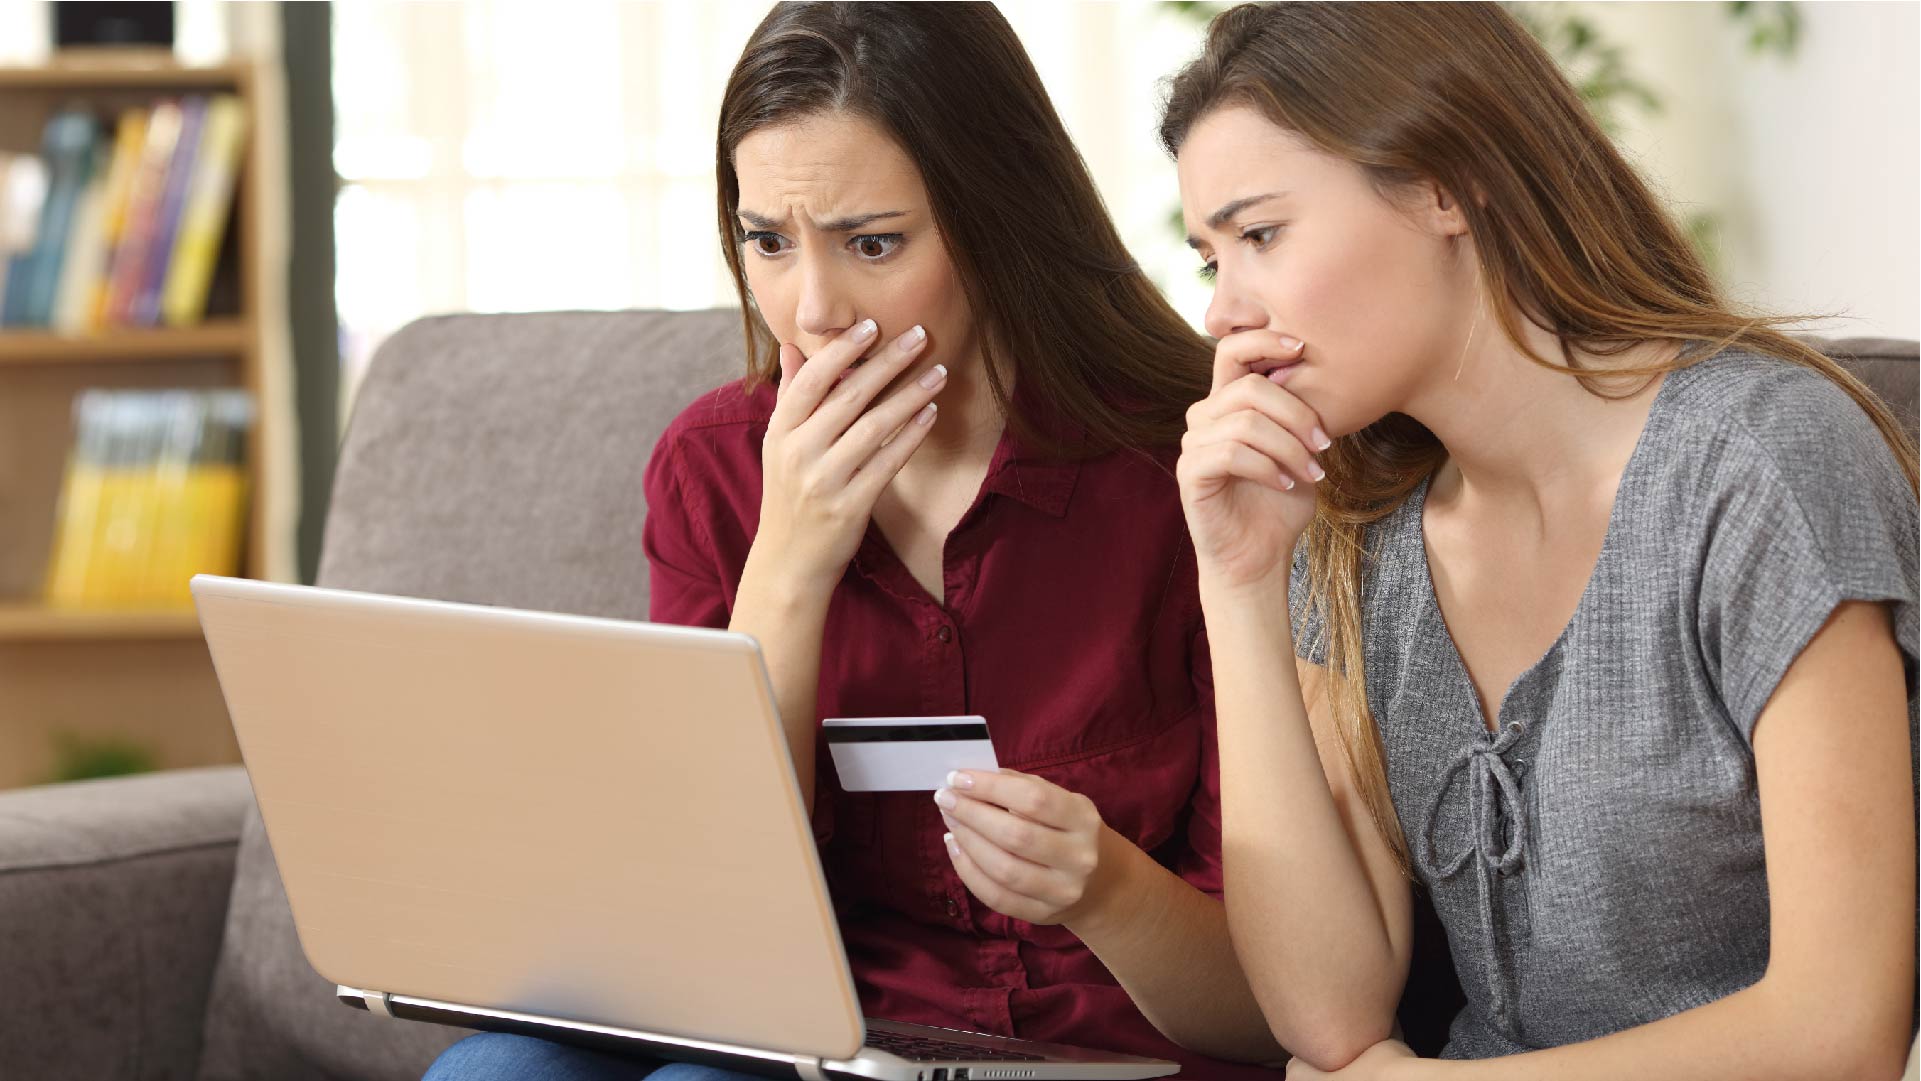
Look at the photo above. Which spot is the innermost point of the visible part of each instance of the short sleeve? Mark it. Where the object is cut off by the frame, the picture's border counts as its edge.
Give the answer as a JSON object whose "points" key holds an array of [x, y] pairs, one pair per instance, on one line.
{"points": [[684, 586], [1200, 861], [1310, 629], [1806, 509]]}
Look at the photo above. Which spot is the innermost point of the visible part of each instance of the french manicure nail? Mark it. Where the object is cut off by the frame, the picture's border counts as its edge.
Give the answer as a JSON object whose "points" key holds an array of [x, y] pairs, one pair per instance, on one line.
{"points": [[1314, 470], [1287, 482], [1292, 345], [944, 797], [914, 336], [957, 779], [934, 377], [865, 330], [948, 840], [926, 415], [1321, 441]]}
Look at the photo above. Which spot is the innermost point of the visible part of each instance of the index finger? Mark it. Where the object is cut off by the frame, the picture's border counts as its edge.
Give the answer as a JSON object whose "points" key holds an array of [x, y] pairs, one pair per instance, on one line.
{"points": [[1248, 351], [1022, 793], [802, 388]]}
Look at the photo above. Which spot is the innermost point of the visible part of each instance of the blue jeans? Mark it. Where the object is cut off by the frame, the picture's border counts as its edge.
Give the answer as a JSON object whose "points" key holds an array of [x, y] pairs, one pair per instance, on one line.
{"points": [[498, 1056]]}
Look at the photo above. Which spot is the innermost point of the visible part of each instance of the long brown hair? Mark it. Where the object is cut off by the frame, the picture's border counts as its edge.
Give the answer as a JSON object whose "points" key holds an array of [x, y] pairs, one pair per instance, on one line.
{"points": [[1057, 298], [1569, 238]]}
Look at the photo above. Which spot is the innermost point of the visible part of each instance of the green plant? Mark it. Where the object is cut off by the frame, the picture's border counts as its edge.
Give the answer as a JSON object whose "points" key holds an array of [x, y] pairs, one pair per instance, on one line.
{"points": [[78, 758]]}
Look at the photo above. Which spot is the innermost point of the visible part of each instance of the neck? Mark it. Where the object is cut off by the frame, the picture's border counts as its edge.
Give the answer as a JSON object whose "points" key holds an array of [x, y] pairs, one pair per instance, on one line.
{"points": [[969, 424], [1520, 434]]}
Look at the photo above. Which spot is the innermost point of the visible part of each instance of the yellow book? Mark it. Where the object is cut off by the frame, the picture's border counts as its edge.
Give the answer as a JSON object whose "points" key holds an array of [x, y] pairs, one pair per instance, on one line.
{"points": [[130, 138], [81, 497], [203, 222]]}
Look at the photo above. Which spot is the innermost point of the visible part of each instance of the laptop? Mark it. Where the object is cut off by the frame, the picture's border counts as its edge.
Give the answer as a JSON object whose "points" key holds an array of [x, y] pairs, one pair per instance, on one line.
{"points": [[582, 829]]}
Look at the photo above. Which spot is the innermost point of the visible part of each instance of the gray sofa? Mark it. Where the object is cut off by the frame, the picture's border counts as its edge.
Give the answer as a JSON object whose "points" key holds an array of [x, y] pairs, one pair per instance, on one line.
{"points": [[144, 934]]}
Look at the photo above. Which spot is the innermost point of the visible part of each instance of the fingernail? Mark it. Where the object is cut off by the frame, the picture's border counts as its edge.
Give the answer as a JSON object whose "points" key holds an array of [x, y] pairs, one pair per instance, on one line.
{"points": [[1314, 470], [944, 797], [913, 337], [926, 415], [1321, 441], [948, 840], [1287, 482], [1292, 345], [865, 330], [935, 377], [957, 779]]}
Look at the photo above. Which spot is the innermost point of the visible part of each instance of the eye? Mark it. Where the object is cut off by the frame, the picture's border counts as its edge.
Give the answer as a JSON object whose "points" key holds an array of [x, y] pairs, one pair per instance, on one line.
{"points": [[1261, 236], [874, 247], [1208, 271], [767, 244]]}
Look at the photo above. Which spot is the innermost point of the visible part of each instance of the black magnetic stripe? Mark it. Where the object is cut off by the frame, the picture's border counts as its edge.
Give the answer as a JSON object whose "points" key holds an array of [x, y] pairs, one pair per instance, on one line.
{"points": [[902, 733]]}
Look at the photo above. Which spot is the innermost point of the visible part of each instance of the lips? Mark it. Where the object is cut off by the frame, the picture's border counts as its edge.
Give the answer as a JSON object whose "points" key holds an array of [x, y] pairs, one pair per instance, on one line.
{"points": [[1276, 371]]}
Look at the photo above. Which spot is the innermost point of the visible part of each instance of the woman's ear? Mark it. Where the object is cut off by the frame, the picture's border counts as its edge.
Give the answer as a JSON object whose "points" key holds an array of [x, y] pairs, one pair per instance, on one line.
{"points": [[1441, 212]]}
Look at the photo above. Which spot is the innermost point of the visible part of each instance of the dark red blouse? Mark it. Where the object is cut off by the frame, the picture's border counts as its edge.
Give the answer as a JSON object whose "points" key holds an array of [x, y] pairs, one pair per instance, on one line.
{"points": [[1071, 623]]}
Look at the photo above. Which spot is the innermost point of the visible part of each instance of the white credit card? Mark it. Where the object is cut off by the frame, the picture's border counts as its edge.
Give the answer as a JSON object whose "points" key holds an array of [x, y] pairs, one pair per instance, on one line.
{"points": [[906, 754]]}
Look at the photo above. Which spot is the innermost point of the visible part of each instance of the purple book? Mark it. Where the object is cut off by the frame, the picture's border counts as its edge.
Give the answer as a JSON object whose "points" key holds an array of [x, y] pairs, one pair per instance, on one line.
{"points": [[146, 305]]}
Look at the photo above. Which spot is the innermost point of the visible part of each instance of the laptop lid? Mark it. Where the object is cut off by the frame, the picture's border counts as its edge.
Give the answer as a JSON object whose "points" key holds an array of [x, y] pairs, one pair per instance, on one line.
{"points": [[544, 814]]}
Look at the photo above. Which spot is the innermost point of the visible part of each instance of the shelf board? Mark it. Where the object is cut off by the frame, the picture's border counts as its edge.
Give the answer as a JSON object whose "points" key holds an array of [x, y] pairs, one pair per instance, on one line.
{"points": [[110, 69], [28, 622], [220, 338]]}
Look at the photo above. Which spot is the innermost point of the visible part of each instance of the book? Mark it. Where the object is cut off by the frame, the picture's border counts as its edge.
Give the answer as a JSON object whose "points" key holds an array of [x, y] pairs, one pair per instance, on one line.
{"points": [[141, 228], [154, 493], [203, 225], [129, 144], [67, 148], [23, 194], [173, 202], [86, 256]]}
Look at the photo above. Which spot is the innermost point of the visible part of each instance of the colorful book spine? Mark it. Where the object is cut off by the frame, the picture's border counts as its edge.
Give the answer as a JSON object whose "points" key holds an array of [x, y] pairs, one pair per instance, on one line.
{"points": [[173, 203], [203, 225], [68, 150], [86, 257], [129, 145], [142, 226]]}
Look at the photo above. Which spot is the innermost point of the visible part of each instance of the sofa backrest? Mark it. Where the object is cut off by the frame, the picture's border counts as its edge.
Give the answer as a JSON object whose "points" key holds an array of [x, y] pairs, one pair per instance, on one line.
{"points": [[496, 459]]}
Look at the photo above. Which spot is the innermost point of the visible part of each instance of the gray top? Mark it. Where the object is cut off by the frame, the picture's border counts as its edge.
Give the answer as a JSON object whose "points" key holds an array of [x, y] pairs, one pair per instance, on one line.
{"points": [[1598, 864]]}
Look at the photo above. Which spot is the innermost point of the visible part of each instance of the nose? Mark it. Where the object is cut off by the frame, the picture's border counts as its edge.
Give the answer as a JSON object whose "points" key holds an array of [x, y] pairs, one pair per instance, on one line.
{"points": [[1232, 310], [825, 308]]}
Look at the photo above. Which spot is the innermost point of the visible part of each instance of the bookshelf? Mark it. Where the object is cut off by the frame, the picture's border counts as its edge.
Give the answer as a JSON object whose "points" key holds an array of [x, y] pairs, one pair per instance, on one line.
{"points": [[139, 677]]}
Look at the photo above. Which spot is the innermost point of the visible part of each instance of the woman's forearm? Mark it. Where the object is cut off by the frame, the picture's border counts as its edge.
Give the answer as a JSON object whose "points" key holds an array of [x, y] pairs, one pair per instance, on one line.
{"points": [[1315, 939], [788, 619], [1767, 1032], [1167, 944]]}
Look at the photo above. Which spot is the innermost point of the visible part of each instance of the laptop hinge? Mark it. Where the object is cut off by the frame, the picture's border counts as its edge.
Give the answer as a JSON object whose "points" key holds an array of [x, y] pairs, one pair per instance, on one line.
{"points": [[380, 1002], [809, 1069]]}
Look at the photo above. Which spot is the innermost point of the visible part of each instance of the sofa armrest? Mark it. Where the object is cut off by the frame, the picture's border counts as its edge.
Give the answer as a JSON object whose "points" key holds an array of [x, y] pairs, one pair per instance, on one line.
{"points": [[113, 895]]}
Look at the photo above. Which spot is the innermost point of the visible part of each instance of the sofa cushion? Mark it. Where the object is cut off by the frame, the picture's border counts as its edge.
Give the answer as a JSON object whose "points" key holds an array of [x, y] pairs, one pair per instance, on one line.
{"points": [[491, 459], [114, 894]]}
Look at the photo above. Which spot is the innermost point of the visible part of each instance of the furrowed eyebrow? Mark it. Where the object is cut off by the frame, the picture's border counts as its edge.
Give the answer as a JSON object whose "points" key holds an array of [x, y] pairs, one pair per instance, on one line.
{"points": [[848, 224]]}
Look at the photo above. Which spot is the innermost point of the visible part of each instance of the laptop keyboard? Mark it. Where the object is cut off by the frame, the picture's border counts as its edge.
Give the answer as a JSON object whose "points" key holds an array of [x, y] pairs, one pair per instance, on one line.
{"points": [[926, 1049]]}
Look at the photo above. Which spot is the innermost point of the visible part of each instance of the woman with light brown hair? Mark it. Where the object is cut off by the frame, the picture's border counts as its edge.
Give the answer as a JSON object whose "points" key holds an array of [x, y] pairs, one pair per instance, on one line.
{"points": [[1604, 606]]}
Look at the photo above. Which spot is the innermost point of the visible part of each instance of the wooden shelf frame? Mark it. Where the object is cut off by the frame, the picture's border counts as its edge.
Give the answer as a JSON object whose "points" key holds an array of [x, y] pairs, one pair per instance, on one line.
{"points": [[37, 623], [215, 338]]}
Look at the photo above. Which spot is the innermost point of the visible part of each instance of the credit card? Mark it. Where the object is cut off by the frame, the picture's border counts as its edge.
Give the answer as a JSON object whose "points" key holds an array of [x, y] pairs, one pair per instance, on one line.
{"points": [[906, 754]]}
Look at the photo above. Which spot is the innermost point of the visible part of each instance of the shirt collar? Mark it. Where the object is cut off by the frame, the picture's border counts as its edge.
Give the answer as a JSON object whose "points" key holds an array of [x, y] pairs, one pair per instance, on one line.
{"points": [[1028, 474]]}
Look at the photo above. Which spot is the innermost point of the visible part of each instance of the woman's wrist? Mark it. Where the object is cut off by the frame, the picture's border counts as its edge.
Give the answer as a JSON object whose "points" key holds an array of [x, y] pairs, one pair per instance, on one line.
{"points": [[779, 585], [1120, 873]]}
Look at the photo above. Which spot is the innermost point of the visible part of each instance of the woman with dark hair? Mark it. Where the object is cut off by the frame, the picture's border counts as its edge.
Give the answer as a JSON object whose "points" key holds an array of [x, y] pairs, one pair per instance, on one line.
{"points": [[946, 488], [1605, 614]]}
